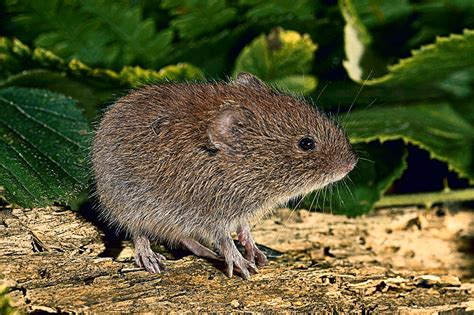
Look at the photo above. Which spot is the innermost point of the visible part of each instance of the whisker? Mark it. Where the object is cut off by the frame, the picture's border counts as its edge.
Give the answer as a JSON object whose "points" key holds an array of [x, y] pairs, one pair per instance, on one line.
{"points": [[348, 188], [324, 199], [312, 201], [322, 91], [330, 197], [371, 103], [341, 201], [294, 210], [365, 159], [358, 93]]}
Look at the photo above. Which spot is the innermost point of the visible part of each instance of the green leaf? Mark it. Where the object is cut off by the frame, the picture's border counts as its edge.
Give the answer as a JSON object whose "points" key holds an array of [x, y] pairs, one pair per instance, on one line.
{"points": [[356, 41], [90, 96], [297, 84], [459, 83], [433, 63], [6, 305], [44, 144], [92, 87], [190, 14], [136, 76], [97, 32], [436, 128], [283, 59], [219, 45], [353, 23], [367, 183], [373, 12], [276, 9], [361, 61], [20, 57]]}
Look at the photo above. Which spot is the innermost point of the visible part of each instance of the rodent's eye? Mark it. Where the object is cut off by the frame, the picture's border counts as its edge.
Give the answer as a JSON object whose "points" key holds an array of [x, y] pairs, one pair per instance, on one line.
{"points": [[306, 144]]}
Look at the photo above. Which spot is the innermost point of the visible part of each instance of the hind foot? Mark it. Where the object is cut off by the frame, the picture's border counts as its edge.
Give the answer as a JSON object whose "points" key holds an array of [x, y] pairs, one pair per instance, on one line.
{"points": [[145, 257], [235, 260], [198, 249], [252, 253]]}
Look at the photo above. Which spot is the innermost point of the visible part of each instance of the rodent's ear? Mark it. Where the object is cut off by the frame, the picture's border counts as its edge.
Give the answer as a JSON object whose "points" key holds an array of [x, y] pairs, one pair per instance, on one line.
{"points": [[227, 128], [248, 79], [158, 124]]}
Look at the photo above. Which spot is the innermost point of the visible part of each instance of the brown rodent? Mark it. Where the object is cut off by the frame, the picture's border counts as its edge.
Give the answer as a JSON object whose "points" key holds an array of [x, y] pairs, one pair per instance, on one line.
{"points": [[188, 164]]}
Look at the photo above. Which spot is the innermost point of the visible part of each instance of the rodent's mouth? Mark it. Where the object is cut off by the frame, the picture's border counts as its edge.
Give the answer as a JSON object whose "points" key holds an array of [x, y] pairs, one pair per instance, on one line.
{"points": [[338, 177], [342, 171], [321, 183], [329, 180]]}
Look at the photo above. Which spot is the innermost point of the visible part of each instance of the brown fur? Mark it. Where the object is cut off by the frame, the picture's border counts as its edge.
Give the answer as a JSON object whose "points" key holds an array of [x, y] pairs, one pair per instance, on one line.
{"points": [[181, 160]]}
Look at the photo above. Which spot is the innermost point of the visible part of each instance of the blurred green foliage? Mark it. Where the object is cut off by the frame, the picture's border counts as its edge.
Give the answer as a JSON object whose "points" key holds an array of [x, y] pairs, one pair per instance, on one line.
{"points": [[399, 74], [5, 303], [282, 59]]}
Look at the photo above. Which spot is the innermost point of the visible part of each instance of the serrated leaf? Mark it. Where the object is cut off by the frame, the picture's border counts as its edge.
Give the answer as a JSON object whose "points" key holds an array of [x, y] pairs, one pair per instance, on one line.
{"points": [[432, 63], [436, 128], [134, 39], [136, 76], [283, 59], [44, 145], [353, 22], [367, 183], [89, 96], [23, 58], [97, 32]]}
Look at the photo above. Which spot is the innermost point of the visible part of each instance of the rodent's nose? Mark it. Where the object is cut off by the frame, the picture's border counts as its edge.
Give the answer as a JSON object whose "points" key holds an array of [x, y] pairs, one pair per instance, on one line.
{"points": [[350, 166]]}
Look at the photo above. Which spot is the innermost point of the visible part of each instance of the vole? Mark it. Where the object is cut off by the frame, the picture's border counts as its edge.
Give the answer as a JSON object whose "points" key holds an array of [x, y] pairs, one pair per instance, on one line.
{"points": [[188, 164]]}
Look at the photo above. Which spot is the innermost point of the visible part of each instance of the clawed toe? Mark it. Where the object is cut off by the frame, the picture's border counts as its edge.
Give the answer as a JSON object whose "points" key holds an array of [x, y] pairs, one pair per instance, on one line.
{"points": [[252, 253], [146, 258], [244, 267], [235, 261], [256, 257], [260, 258], [152, 262]]}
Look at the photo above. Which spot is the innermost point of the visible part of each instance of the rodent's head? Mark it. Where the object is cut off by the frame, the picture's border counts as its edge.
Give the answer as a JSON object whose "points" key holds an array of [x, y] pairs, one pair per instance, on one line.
{"points": [[282, 141]]}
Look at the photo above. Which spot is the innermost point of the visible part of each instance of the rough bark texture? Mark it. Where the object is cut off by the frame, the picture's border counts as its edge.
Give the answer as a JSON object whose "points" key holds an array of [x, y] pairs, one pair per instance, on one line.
{"points": [[406, 260]]}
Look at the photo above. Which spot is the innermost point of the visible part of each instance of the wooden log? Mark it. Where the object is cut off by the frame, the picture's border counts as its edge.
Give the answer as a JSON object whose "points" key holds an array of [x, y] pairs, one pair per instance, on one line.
{"points": [[408, 260]]}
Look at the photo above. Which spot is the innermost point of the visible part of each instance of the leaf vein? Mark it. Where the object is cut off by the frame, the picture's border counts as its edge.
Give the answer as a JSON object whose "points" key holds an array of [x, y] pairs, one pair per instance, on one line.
{"points": [[40, 151], [42, 124]]}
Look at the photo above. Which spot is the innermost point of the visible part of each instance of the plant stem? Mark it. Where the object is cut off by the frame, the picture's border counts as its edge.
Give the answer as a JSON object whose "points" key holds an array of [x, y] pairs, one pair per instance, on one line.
{"points": [[426, 199]]}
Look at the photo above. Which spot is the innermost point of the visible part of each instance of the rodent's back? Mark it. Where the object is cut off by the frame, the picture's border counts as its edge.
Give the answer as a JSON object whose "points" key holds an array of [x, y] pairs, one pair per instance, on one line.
{"points": [[152, 157], [196, 159]]}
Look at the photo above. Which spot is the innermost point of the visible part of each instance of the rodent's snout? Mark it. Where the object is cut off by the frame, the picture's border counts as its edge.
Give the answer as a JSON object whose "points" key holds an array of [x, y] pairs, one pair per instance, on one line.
{"points": [[350, 163], [353, 160], [350, 166], [345, 167]]}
